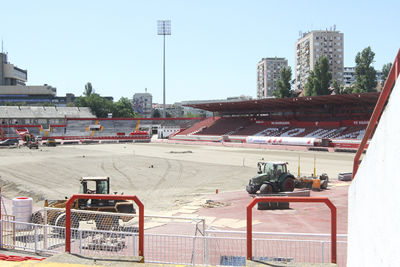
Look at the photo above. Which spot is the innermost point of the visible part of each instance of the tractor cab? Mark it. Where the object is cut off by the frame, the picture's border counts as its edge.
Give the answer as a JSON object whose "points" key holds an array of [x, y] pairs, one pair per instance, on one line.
{"points": [[95, 185], [272, 169]]}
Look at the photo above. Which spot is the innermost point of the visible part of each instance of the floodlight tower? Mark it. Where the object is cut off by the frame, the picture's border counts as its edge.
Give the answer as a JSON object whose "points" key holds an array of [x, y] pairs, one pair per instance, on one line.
{"points": [[164, 28]]}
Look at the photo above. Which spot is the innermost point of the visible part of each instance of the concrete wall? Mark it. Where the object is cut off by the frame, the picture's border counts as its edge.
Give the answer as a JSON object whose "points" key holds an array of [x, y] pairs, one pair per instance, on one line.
{"points": [[374, 203]]}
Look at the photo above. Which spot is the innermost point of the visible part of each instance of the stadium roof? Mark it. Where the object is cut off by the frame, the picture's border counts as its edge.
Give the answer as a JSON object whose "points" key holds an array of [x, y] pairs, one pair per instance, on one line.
{"points": [[25, 112], [284, 104]]}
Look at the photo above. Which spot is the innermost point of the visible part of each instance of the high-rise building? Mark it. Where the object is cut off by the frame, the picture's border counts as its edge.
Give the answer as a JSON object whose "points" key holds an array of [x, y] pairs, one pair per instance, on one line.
{"points": [[10, 74], [268, 72], [142, 103], [310, 47]]}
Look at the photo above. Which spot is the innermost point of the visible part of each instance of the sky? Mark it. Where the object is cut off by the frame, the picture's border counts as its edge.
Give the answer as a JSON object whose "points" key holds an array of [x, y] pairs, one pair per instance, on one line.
{"points": [[212, 52]]}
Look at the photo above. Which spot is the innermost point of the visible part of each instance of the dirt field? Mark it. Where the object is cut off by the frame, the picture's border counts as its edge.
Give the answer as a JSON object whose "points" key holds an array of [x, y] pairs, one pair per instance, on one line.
{"points": [[166, 177]]}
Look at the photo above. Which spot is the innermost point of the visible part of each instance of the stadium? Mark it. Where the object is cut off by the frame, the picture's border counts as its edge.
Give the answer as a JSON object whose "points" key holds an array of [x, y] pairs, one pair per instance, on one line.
{"points": [[329, 121], [187, 178]]}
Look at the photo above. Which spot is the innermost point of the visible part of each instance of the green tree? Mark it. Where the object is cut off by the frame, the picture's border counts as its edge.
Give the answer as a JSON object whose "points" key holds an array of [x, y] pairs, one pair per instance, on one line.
{"points": [[336, 87], [365, 74], [123, 109], [100, 106], [319, 80], [88, 89], [385, 72], [156, 114], [283, 84]]}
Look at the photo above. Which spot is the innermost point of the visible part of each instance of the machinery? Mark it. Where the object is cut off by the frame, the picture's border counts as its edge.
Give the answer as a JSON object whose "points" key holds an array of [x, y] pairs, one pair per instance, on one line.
{"points": [[95, 185], [89, 185], [272, 177], [27, 138], [313, 181], [30, 141]]}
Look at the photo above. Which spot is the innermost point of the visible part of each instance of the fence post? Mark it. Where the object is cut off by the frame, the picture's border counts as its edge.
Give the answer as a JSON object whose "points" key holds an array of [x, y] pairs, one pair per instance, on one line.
{"points": [[206, 256], [45, 230], [36, 237], [80, 242], [204, 241], [322, 250], [133, 243], [194, 251]]}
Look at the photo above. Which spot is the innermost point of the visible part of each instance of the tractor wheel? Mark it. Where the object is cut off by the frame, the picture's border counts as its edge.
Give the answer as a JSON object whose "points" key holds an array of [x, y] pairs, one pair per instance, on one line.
{"points": [[287, 185], [266, 189]]}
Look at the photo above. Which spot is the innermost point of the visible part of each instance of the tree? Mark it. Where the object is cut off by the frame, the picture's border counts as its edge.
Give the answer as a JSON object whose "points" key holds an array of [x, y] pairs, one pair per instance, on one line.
{"points": [[365, 74], [100, 106], [336, 87], [88, 89], [385, 72], [319, 80], [123, 109], [156, 114], [283, 84]]}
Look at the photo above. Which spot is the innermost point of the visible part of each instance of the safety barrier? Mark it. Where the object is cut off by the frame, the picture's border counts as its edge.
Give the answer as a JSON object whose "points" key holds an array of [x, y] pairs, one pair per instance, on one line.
{"points": [[214, 248], [75, 197], [292, 199]]}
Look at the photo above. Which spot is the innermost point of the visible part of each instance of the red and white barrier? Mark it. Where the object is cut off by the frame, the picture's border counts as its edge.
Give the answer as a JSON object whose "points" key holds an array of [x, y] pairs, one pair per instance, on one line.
{"points": [[273, 140]]}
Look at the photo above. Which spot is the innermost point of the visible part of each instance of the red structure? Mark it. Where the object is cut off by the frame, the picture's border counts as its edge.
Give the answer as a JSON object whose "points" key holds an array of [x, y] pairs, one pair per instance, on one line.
{"points": [[292, 199], [387, 89], [107, 197]]}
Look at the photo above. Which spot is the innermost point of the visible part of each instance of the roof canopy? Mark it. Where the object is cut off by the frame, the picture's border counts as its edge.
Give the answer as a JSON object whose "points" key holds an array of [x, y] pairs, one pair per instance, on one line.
{"points": [[288, 104]]}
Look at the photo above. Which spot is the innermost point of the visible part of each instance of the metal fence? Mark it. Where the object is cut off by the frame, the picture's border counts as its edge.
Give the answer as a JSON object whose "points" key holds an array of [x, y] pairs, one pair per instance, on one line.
{"points": [[213, 248]]}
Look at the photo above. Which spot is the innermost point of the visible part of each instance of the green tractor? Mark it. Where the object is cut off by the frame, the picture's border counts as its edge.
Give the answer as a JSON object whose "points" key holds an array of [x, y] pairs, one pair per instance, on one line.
{"points": [[272, 177]]}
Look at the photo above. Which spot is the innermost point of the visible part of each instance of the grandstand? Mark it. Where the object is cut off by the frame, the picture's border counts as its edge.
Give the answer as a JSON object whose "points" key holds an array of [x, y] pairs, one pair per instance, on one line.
{"points": [[333, 117], [66, 123]]}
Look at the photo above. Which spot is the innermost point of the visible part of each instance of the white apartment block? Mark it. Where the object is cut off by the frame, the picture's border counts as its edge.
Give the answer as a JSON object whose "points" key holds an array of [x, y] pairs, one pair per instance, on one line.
{"points": [[268, 72], [349, 76], [310, 47]]}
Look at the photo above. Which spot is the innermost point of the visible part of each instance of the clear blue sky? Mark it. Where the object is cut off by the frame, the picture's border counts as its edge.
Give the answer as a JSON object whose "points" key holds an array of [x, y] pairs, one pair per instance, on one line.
{"points": [[212, 53]]}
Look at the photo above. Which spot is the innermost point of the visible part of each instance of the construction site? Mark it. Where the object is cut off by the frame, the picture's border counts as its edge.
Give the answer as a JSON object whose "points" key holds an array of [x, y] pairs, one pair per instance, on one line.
{"points": [[247, 187]]}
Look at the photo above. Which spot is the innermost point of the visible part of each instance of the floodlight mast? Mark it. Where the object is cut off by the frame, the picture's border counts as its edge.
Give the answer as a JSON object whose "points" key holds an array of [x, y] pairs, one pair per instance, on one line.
{"points": [[164, 28]]}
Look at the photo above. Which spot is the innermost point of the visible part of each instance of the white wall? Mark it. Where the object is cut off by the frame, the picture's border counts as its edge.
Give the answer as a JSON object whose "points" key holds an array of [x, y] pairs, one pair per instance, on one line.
{"points": [[374, 196]]}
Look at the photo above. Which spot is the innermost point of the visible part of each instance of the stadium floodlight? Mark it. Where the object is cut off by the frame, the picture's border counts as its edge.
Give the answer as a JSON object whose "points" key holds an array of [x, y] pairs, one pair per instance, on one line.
{"points": [[164, 28]]}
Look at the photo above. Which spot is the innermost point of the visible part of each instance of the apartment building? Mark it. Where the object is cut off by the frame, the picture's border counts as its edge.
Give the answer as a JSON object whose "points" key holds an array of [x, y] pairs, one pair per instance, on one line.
{"points": [[142, 104], [268, 72], [349, 76], [310, 47]]}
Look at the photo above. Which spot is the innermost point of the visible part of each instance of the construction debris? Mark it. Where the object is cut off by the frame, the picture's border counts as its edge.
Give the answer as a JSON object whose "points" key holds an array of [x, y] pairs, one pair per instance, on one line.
{"points": [[214, 204]]}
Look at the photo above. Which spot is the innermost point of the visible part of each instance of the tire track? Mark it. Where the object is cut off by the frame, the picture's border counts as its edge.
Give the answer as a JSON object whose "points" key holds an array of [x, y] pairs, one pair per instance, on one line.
{"points": [[128, 179], [163, 179]]}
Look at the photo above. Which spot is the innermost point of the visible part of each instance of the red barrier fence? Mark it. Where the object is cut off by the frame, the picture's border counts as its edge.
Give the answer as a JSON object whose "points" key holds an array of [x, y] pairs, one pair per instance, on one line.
{"points": [[105, 197], [387, 89], [292, 199]]}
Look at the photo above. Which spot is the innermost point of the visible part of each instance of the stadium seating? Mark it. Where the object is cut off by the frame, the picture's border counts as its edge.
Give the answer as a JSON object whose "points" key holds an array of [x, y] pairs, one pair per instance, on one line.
{"points": [[226, 126], [200, 125]]}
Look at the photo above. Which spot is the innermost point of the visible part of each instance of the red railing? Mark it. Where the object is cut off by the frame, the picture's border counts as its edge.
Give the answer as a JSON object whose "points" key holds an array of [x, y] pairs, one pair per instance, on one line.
{"points": [[292, 199], [108, 197], [390, 81]]}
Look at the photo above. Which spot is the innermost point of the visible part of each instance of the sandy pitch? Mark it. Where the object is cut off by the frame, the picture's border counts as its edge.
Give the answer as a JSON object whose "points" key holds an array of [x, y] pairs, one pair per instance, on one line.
{"points": [[166, 177]]}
